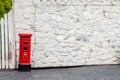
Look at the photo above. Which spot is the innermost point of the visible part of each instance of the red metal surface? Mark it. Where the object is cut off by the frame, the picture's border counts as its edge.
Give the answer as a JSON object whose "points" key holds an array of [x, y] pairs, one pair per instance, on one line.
{"points": [[25, 48], [25, 35]]}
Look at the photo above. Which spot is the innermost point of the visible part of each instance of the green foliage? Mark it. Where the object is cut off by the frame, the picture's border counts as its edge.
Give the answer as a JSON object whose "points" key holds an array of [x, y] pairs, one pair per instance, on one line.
{"points": [[5, 7]]}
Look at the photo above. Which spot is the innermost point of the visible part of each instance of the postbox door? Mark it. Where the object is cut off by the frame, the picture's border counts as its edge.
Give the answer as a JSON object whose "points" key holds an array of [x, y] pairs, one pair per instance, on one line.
{"points": [[25, 50]]}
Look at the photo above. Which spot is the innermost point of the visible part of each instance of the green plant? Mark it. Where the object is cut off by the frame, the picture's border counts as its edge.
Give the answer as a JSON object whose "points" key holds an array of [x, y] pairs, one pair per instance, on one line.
{"points": [[5, 7]]}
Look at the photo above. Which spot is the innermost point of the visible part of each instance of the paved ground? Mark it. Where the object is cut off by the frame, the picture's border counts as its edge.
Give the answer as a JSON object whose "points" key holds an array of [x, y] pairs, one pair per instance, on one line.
{"points": [[76, 73]]}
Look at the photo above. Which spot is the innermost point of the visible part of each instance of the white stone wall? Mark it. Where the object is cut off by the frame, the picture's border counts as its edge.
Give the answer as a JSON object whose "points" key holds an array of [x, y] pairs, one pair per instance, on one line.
{"points": [[70, 32]]}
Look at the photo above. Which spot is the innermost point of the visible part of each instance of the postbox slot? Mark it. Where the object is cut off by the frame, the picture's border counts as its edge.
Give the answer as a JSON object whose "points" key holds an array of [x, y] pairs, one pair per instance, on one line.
{"points": [[25, 48], [26, 42]]}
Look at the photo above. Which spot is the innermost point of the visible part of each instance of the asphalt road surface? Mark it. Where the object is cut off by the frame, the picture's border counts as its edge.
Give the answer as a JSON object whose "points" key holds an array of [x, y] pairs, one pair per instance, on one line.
{"points": [[74, 73]]}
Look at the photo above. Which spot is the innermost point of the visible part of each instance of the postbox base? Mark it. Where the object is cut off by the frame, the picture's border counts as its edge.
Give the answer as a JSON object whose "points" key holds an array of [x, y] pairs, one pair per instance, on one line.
{"points": [[24, 67]]}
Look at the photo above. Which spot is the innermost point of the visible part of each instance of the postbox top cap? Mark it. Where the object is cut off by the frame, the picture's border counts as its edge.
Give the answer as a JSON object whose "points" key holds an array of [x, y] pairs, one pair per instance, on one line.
{"points": [[25, 35]]}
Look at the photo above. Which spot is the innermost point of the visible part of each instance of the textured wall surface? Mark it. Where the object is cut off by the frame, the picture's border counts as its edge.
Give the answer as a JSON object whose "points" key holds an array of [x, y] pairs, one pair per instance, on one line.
{"points": [[70, 32]]}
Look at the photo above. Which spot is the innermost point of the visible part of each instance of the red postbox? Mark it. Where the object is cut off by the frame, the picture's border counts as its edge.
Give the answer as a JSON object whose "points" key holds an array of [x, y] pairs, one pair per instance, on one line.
{"points": [[24, 52]]}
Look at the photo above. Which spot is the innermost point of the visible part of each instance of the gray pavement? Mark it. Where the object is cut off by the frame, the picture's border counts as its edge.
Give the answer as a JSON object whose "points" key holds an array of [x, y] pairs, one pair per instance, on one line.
{"points": [[74, 73]]}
